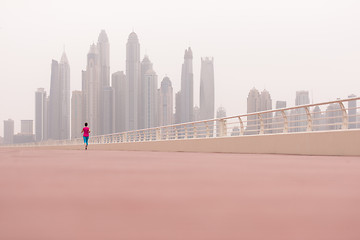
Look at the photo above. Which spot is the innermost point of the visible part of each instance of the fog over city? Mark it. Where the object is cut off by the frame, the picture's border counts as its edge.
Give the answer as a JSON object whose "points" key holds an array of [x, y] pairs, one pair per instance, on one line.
{"points": [[281, 46]]}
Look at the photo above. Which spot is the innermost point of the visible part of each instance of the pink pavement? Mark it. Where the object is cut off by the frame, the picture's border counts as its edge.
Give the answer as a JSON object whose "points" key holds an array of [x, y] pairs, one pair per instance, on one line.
{"points": [[59, 194]]}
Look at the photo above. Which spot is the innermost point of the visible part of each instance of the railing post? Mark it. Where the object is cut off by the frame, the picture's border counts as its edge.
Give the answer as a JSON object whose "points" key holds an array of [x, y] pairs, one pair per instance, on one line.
{"points": [[261, 124], [158, 137], [345, 120], [194, 130], [309, 120], [207, 130], [241, 126], [186, 133], [176, 133], [286, 128], [223, 128]]}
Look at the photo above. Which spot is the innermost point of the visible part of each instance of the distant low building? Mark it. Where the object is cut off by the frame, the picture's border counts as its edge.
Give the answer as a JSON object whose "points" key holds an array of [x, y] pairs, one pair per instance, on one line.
{"points": [[27, 127], [9, 131], [333, 117], [23, 138]]}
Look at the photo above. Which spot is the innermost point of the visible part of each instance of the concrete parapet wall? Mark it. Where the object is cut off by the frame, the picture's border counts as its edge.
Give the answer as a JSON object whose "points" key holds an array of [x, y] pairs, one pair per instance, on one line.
{"points": [[342, 143]]}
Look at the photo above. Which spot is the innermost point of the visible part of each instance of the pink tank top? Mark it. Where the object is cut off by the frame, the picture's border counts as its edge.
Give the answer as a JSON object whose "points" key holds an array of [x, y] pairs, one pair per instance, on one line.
{"points": [[86, 131]]}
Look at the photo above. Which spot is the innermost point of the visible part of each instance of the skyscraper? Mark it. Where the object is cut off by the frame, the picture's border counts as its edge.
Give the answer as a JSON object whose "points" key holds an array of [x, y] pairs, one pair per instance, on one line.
{"points": [[104, 58], [265, 101], [187, 85], [165, 102], [253, 105], [84, 93], [317, 119], [266, 104], [146, 65], [207, 89], [253, 101], [108, 110], [257, 102], [91, 90], [302, 98], [280, 104], [150, 99], [178, 107], [64, 77], [119, 84], [333, 117], [59, 105], [103, 47], [299, 118], [41, 115], [196, 113], [278, 120], [9, 131], [133, 77], [54, 102], [76, 114]]}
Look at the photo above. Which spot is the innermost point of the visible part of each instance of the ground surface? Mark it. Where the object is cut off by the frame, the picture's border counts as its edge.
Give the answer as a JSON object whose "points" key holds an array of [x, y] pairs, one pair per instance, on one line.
{"points": [[66, 195]]}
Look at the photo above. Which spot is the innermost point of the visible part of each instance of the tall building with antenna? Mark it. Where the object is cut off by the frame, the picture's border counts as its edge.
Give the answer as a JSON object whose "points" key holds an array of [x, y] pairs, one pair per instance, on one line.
{"points": [[187, 87], [91, 89], [105, 117], [59, 103], [133, 78]]}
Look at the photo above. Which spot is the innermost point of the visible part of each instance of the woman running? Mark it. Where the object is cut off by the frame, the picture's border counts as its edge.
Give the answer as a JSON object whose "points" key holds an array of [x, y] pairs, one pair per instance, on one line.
{"points": [[86, 132]]}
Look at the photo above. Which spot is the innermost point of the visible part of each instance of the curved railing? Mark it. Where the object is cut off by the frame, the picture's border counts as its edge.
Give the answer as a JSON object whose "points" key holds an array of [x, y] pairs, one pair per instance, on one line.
{"points": [[326, 116], [305, 118]]}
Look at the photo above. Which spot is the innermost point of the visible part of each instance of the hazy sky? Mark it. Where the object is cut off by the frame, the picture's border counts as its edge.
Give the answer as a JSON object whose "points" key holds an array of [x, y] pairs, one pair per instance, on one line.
{"points": [[280, 45]]}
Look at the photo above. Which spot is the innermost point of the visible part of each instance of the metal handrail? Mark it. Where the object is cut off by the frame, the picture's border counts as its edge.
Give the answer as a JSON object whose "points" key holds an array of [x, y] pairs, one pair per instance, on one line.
{"points": [[275, 121]]}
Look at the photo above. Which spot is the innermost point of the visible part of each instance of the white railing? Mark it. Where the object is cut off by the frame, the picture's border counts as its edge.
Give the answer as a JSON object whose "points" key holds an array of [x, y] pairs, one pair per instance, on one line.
{"points": [[325, 116]]}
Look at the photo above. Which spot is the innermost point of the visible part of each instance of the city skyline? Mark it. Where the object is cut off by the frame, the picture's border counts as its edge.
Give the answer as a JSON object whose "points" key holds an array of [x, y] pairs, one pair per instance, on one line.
{"points": [[145, 94], [306, 46]]}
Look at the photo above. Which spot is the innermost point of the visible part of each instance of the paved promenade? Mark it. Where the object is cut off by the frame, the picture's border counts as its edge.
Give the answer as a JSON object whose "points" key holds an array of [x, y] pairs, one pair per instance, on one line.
{"points": [[119, 195]]}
